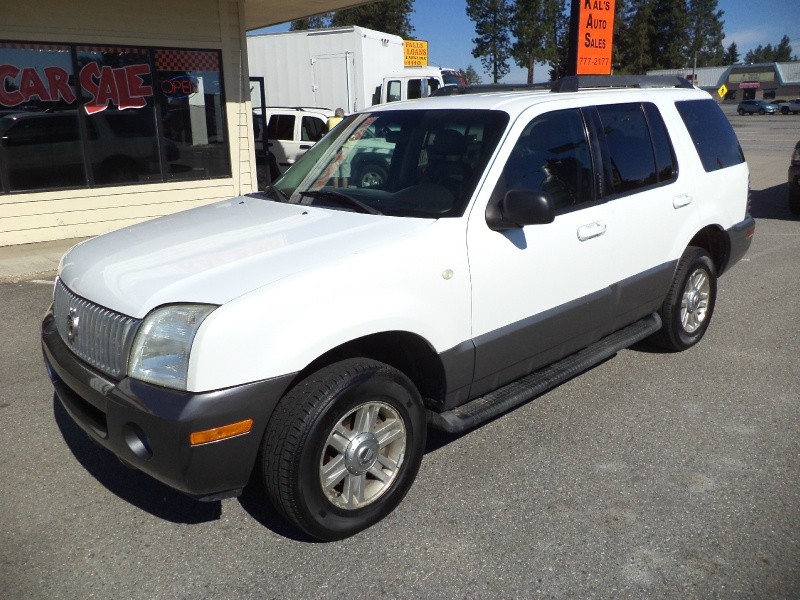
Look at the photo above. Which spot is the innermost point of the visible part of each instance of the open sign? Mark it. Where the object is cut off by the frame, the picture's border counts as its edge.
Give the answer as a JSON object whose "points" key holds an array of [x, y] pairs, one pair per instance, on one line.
{"points": [[180, 86]]}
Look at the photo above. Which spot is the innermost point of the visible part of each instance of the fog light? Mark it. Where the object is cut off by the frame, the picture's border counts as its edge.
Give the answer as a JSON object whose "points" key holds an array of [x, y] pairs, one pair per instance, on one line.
{"points": [[137, 441], [220, 433]]}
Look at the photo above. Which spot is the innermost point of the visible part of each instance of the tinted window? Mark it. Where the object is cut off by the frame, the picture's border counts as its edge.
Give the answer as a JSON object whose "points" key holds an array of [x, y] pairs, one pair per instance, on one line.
{"points": [[281, 127], [712, 134], [312, 129], [666, 164], [629, 148], [552, 155], [414, 89]]}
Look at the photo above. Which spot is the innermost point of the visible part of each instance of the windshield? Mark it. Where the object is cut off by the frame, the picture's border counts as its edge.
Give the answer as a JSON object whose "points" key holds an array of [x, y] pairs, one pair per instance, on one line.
{"points": [[410, 163]]}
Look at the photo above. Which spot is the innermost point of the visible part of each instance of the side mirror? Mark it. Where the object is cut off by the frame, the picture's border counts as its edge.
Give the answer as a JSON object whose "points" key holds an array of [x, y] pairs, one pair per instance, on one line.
{"points": [[519, 208]]}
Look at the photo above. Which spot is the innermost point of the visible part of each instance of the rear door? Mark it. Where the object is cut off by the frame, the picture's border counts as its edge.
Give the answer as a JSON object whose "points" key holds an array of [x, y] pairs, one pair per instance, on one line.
{"points": [[654, 211]]}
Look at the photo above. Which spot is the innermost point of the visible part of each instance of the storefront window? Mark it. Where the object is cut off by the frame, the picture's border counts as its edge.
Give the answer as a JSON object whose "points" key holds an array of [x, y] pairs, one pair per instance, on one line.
{"points": [[85, 116], [40, 143], [192, 112], [117, 99]]}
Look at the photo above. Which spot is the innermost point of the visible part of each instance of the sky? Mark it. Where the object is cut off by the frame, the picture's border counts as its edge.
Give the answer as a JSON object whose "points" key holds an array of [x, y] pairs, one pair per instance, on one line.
{"points": [[449, 32]]}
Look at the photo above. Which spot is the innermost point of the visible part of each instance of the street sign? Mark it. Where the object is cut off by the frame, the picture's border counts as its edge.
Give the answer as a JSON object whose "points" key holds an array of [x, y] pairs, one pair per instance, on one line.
{"points": [[722, 91]]}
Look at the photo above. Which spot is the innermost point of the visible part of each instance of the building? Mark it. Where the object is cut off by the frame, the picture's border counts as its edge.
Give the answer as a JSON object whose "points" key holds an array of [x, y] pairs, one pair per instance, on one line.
{"points": [[115, 112], [768, 81]]}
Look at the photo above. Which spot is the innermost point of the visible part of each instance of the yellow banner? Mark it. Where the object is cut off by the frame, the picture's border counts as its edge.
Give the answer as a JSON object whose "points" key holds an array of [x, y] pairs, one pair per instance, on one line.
{"points": [[415, 53]]}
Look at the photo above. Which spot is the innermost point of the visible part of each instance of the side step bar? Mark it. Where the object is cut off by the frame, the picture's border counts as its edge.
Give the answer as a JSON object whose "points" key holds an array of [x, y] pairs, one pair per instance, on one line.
{"points": [[526, 388]]}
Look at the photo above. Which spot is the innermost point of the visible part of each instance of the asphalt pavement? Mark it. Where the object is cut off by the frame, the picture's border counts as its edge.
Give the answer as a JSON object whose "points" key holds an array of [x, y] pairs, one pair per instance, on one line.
{"points": [[653, 475]]}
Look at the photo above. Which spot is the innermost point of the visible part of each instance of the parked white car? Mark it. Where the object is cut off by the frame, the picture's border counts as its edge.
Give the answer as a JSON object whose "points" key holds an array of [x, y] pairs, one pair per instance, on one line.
{"points": [[309, 335]]}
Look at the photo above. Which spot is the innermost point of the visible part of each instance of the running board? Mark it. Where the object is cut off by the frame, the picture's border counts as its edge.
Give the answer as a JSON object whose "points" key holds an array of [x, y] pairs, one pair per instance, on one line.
{"points": [[526, 388]]}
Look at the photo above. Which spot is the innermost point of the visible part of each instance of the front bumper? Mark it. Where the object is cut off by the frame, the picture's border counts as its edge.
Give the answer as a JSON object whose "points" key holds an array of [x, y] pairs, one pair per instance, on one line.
{"points": [[148, 427]]}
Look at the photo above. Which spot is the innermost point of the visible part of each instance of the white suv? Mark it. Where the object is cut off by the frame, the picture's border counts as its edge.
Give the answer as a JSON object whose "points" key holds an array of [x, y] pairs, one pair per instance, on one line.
{"points": [[312, 333], [291, 131]]}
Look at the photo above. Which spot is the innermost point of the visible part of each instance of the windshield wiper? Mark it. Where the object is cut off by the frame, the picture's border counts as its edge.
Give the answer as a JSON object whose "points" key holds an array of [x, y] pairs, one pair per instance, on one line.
{"points": [[281, 196], [342, 198]]}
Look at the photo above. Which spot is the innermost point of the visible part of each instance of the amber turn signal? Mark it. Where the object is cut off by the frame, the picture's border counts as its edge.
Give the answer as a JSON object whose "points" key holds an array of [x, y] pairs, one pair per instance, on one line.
{"points": [[220, 433]]}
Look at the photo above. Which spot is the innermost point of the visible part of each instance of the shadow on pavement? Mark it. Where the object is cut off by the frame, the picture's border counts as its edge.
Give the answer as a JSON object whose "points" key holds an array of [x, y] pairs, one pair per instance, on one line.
{"points": [[772, 203], [131, 485]]}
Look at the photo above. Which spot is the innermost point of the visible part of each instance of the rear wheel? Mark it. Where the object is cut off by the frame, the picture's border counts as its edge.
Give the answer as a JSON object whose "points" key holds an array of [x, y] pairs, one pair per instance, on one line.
{"points": [[741, 112], [689, 304], [761, 111], [343, 447]]}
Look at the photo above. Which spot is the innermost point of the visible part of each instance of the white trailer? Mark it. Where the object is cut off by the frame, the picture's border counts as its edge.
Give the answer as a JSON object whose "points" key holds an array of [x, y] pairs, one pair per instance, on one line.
{"points": [[332, 68]]}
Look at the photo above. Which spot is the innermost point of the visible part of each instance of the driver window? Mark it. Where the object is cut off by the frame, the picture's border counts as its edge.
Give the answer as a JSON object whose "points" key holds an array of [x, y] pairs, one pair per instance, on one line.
{"points": [[552, 155]]}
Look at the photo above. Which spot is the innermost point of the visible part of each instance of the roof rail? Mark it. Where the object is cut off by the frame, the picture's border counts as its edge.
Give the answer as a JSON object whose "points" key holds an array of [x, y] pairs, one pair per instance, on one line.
{"points": [[481, 88], [298, 108], [573, 83]]}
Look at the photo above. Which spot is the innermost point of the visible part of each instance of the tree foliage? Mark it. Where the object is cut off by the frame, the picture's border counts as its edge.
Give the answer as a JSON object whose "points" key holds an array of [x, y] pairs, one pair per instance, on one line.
{"points": [[534, 26], [390, 16], [731, 54], [315, 22], [493, 45], [705, 33], [471, 75], [766, 54]]}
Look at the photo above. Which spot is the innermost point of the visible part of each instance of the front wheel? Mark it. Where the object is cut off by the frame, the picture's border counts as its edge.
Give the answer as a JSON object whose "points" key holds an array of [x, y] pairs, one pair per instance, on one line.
{"points": [[741, 112], [761, 111], [689, 305], [343, 447]]}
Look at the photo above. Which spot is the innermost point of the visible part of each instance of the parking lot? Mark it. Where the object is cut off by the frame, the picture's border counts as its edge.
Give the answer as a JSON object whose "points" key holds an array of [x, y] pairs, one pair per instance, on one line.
{"points": [[653, 475]]}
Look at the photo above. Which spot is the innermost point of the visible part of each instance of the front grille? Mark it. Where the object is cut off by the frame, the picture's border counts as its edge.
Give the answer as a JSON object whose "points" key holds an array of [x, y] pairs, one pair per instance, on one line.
{"points": [[99, 336]]}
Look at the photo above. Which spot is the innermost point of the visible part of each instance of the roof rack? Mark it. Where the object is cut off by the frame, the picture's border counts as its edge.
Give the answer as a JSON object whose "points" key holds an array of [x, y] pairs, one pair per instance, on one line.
{"points": [[573, 83], [298, 108], [482, 88]]}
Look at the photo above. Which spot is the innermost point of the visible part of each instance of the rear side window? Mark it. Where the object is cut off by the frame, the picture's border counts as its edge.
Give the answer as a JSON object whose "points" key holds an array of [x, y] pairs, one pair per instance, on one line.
{"points": [[633, 163], [712, 134], [281, 127], [312, 129]]}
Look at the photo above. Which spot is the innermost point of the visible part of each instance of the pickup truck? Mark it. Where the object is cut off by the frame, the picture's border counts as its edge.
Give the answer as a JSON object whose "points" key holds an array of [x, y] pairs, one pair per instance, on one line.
{"points": [[793, 106]]}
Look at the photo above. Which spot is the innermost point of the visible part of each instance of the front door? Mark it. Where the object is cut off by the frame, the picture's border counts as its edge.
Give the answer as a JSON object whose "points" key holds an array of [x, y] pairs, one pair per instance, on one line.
{"points": [[541, 292]]}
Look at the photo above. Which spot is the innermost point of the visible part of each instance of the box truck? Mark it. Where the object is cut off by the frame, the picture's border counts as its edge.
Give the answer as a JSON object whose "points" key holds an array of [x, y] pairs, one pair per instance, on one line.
{"points": [[344, 67], [333, 68]]}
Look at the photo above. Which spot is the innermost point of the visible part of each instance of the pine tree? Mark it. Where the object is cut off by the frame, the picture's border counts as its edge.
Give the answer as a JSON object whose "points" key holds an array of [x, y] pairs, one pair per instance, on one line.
{"points": [[705, 33], [669, 48], [534, 27], [471, 75], [391, 16], [492, 46], [732, 54], [316, 22]]}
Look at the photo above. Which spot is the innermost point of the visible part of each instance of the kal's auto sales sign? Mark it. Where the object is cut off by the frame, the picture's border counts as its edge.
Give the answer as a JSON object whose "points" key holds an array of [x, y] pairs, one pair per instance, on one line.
{"points": [[123, 87]]}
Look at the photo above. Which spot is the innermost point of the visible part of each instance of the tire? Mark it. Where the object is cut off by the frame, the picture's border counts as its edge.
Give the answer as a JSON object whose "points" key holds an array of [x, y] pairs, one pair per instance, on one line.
{"points": [[371, 175], [761, 111], [343, 447], [689, 305], [741, 112], [784, 110]]}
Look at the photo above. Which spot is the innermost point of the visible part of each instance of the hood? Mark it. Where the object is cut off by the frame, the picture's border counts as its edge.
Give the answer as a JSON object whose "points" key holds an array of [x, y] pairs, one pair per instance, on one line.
{"points": [[218, 252]]}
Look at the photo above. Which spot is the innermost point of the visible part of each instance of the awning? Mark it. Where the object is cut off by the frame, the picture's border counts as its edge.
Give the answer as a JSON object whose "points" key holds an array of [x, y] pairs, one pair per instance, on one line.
{"points": [[262, 13]]}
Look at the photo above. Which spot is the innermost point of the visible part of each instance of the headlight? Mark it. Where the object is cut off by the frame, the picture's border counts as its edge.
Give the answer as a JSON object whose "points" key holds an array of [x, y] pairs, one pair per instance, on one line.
{"points": [[160, 353]]}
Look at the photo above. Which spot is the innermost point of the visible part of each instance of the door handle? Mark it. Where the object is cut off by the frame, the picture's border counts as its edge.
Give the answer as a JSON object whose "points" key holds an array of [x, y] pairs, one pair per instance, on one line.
{"points": [[681, 201], [592, 230], [305, 146]]}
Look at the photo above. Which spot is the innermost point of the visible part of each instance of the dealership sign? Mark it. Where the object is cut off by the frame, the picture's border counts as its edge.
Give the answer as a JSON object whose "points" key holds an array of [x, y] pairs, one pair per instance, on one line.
{"points": [[122, 87]]}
